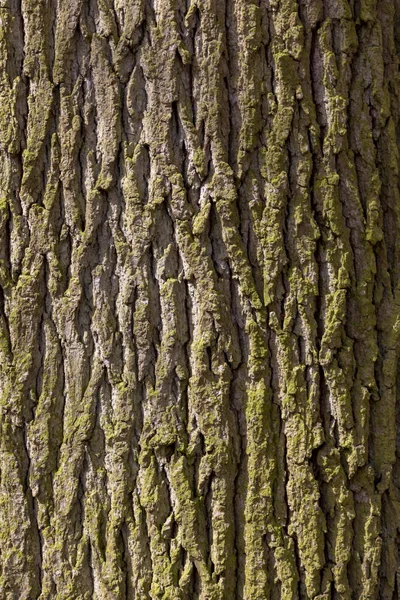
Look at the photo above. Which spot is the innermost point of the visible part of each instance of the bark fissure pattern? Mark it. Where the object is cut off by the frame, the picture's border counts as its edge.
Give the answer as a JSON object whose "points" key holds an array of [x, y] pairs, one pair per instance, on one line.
{"points": [[199, 299]]}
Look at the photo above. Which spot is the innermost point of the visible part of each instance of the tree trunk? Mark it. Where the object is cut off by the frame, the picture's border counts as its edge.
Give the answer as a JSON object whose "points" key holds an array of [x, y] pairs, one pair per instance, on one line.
{"points": [[200, 299]]}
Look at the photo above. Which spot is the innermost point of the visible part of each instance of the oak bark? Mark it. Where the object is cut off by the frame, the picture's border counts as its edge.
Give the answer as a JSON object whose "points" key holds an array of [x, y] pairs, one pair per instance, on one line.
{"points": [[199, 299]]}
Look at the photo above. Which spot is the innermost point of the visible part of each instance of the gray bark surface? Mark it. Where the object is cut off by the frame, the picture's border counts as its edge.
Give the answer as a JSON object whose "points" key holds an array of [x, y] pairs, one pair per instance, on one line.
{"points": [[199, 299]]}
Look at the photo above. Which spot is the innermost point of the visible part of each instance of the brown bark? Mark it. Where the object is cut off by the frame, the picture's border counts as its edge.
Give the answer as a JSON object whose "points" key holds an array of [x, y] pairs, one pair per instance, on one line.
{"points": [[199, 299]]}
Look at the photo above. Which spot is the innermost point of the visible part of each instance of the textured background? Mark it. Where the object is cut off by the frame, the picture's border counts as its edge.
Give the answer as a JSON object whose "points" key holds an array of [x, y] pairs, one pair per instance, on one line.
{"points": [[199, 299]]}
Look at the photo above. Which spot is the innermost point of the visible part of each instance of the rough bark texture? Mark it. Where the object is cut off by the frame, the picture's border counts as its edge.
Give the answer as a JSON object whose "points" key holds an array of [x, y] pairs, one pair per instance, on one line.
{"points": [[200, 299]]}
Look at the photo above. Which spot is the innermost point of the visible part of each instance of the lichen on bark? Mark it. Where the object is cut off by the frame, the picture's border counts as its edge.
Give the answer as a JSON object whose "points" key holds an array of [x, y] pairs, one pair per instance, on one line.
{"points": [[199, 299]]}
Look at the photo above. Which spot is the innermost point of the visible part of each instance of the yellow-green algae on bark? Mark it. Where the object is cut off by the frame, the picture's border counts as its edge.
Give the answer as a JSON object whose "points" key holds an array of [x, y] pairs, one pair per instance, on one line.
{"points": [[199, 299]]}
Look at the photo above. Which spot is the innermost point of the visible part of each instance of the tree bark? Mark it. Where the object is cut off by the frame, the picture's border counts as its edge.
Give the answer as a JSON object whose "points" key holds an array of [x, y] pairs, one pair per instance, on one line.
{"points": [[199, 299]]}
